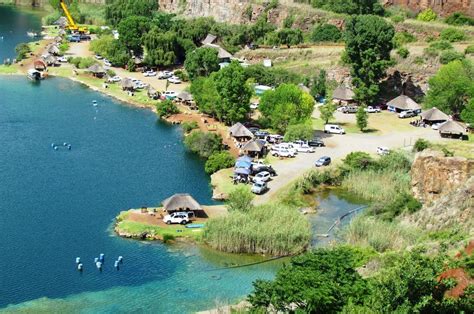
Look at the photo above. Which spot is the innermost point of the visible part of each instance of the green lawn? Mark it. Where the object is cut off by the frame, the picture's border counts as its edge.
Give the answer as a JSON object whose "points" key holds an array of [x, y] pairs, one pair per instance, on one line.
{"points": [[458, 147], [138, 228], [222, 182], [8, 69]]}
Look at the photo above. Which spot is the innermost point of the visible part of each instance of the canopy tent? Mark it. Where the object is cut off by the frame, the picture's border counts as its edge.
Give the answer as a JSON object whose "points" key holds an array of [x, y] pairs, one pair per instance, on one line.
{"points": [[403, 103], [179, 202], [243, 164], [453, 129], [242, 171], [245, 158], [343, 93], [434, 115], [239, 131]]}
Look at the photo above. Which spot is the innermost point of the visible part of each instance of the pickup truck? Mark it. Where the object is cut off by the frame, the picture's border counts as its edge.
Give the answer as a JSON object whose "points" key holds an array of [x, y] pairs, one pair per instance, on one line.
{"points": [[371, 109]]}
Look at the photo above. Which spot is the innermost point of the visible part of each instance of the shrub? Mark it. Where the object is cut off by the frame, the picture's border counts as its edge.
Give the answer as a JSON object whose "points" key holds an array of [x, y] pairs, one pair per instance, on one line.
{"points": [[218, 161], [427, 15], [396, 160], [401, 38], [166, 108], [450, 55], [452, 34], [168, 237], [419, 60], [203, 143], [188, 126], [22, 50], [441, 45], [469, 50], [326, 32], [303, 131], [397, 18], [63, 47], [421, 145], [403, 52], [358, 160], [82, 63], [458, 18], [111, 72], [240, 199], [182, 75], [131, 66], [430, 52]]}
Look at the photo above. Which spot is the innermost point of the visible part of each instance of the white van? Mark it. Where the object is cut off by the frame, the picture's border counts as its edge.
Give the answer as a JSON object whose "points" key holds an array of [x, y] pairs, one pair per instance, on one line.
{"points": [[333, 129]]}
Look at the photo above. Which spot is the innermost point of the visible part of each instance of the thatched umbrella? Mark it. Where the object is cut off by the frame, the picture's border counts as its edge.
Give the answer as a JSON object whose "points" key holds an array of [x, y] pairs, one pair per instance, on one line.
{"points": [[179, 202], [152, 93], [239, 131], [96, 70], [452, 128], [343, 93], [50, 60], [184, 96], [254, 147], [434, 115], [54, 50], [58, 39], [127, 84], [402, 103]]}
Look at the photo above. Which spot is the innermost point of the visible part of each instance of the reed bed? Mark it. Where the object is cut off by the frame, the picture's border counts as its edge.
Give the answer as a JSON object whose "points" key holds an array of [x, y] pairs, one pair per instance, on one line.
{"points": [[276, 230]]}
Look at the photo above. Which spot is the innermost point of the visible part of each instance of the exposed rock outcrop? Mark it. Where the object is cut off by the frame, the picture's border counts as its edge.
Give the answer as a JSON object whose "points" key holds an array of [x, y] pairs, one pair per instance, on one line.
{"points": [[442, 7]]}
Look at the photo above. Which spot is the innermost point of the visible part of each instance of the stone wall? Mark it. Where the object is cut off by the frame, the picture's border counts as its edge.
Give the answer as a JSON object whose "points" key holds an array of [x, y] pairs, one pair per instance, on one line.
{"points": [[442, 7]]}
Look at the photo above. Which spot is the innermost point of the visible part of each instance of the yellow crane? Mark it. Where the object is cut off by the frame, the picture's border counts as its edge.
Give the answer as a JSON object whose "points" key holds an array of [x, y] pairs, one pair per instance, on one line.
{"points": [[72, 26]]}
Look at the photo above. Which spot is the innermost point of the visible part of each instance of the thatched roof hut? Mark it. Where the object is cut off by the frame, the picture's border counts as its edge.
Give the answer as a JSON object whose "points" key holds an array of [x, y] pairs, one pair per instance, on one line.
{"points": [[127, 84], [54, 50], [152, 93], [403, 103], [240, 132], [58, 39], [434, 115], [222, 54], [181, 202], [96, 70], [39, 65], [50, 60], [343, 94], [210, 39], [184, 96], [452, 129], [254, 147]]}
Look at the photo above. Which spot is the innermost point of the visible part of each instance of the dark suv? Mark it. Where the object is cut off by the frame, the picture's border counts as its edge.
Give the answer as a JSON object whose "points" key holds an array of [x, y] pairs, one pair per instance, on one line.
{"points": [[316, 142], [257, 169]]}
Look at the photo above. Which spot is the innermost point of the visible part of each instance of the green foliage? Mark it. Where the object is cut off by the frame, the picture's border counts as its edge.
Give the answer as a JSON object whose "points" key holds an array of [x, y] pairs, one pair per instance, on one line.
{"points": [[234, 92], [452, 87], [22, 50], [288, 21], [302, 131], [270, 76], [441, 45], [257, 32], [166, 108], [318, 88], [358, 161], [369, 40], [452, 34], [402, 38], [218, 161], [205, 94], [168, 238], [362, 118], [290, 36], [110, 48], [188, 126], [51, 18], [131, 30], [326, 33], [321, 281], [469, 50], [165, 48], [450, 55], [240, 199], [458, 18], [82, 63], [397, 18], [110, 73], [427, 15], [420, 145], [327, 111], [116, 10], [403, 52], [203, 143], [350, 6], [467, 114], [63, 47], [419, 60], [286, 105], [131, 66], [201, 62], [272, 230]]}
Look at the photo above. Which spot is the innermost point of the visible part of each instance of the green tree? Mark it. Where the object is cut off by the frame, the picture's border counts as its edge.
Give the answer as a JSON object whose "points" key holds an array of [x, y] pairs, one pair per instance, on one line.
{"points": [[286, 105], [420, 145], [161, 47], [240, 199], [22, 50], [166, 108], [467, 114], [205, 94], [452, 34], [451, 87], [290, 36], [326, 32], [302, 131], [362, 118], [131, 30], [218, 161], [358, 160], [318, 89], [117, 10], [350, 6], [231, 85], [256, 33], [201, 62], [368, 45], [327, 111], [203, 143]]}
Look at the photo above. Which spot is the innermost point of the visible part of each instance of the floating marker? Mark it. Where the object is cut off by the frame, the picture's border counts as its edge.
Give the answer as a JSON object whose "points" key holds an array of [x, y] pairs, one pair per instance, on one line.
{"points": [[79, 267], [52, 145], [120, 259], [55, 148], [101, 257], [69, 147], [78, 260], [116, 264], [99, 265], [96, 260]]}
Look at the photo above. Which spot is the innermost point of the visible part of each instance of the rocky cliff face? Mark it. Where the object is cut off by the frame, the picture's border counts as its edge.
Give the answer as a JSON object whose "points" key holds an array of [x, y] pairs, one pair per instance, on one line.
{"points": [[442, 7]]}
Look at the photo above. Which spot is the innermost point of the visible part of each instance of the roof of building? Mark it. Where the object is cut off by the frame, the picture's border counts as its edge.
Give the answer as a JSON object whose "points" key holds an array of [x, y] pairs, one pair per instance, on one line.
{"points": [[210, 39], [54, 49], [452, 127], [239, 130], [434, 114], [221, 52], [253, 146], [127, 83], [343, 93], [185, 96], [50, 59], [96, 68], [181, 201], [403, 102], [151, 91]]}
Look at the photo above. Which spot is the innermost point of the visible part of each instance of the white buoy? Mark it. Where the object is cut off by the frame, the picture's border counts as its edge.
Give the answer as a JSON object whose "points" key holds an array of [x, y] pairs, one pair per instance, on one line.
{"points": [[78, 260], [101, 257], [120, 259], [55, 148], [116, 264], [52, 145], [64, 144], [96, 260], [69, 147], [79, 267], [99, 265]]}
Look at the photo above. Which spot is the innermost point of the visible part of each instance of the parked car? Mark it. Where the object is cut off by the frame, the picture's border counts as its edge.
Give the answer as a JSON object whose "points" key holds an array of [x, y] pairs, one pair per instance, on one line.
{"points": [[274, 138], [407, 114], [99, 57], [85, 37], [115, 78], [323, 161], [140, 85], [259, 187], [371, 109], [289, 146], [74, 38], [316, 142], [253, 130], [333, 129], [162, 75], [62, 59], [107, 63], [254, 106], [169, 94], [381, 150], [262, 176], [305, 148], [261, 134], [261, 168], [149, 73], [280, 152], [349, 109], [174, 80], [177, 218]]}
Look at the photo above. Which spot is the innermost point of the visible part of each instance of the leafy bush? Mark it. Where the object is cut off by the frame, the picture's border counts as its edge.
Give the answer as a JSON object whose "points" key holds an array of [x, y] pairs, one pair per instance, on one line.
{"points": [[168, 238], [397, 18], [452, 34], [469, 50], [218, 161], [349, 6], [421, 145], [82, 63], [458, 18], [203, 143], [270, 76], [441, 45], [240, 199], [403, 52], [110, 72], [188, 126], [302, 131], [358, 160], [430, 52], [450, 55], [326, 32], [401, 38], [419, 60], [22, 50], [166, 108], [427, 15], [182, 75]]}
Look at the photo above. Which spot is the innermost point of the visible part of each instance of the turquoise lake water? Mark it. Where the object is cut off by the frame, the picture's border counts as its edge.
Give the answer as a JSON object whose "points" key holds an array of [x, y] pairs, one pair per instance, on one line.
{"points": [[56, 205], [14, 24]]}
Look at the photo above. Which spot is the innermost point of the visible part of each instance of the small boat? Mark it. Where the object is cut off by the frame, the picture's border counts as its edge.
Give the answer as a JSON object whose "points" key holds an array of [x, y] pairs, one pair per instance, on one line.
{"points": [[34, 75], [32, 34]]}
